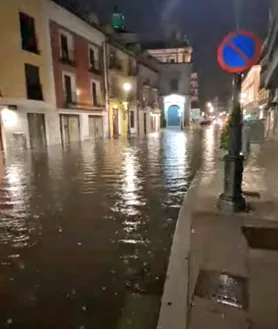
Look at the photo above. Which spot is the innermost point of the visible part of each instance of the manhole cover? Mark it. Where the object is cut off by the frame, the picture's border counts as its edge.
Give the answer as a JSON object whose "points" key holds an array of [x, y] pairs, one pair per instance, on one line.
{"points": [[261, 237], [223, 288]]}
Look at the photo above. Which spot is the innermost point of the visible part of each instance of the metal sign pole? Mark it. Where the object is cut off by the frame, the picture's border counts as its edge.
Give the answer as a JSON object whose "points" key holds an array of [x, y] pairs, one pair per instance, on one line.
{"points": [[237, 53], [232, 200]]}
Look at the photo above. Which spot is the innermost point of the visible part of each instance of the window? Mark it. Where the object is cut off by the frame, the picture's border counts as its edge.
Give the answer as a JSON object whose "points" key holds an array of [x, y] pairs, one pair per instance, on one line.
{"points": [[132, 121], [92, 57], [66, 53], [28, 33], [144, 95], [174, 85], [94, 93], [33, 85], [67, 83]]}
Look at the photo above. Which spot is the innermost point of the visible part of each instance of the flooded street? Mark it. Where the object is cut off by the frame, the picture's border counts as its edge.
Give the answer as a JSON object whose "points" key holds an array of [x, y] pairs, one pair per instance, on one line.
{"points": [[85, 232]]}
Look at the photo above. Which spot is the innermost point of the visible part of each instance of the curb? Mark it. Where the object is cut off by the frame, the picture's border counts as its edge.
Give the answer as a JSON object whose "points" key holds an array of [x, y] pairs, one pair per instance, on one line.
{"points": [[175, 300]]}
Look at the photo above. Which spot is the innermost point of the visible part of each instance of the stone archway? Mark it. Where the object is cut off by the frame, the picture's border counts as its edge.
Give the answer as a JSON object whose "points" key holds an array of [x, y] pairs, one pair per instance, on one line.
{"points": [[173, 116]]}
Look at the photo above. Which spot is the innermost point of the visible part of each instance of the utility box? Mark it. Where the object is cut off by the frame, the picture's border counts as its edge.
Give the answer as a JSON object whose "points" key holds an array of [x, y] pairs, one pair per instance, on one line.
{"points": [[256, 131]]}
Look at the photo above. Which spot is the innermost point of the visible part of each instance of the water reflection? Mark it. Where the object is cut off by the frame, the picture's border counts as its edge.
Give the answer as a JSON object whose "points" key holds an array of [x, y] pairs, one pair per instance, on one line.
{"points": [[84, 229]]}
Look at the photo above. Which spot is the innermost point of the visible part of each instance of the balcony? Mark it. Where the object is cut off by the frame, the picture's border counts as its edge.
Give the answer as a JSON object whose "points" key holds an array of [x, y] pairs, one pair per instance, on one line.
{"points": [[95, 67], [116, 64], [116, 92], [31, 45], [34, 91], [67, 57], [72, 102], [70, 99], [132, 71]]}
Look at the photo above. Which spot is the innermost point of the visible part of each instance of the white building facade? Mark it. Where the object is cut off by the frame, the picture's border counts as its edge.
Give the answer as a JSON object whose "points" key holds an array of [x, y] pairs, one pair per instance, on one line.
{"points": [[175, 70], [250, 94]]}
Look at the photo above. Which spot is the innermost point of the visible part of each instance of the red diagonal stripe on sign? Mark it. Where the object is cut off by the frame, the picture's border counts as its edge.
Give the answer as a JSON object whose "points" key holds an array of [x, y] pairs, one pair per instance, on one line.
{"points": [[239, 52]]}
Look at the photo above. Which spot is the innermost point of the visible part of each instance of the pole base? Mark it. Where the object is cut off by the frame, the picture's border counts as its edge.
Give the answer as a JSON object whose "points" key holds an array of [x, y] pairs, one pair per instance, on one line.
{"points": [[228, 206]]}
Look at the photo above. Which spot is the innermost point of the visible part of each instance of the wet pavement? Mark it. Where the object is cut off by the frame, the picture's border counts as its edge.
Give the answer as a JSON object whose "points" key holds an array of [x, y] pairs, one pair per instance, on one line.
{"points": [[85, 232]]}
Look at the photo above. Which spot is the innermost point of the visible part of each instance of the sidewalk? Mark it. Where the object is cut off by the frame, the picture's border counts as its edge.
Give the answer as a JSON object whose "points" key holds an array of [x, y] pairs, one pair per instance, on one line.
{"points": [[215, 279]]}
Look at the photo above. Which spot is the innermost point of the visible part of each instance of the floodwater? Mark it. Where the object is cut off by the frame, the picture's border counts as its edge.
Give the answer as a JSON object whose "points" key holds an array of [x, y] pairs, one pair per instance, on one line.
{"points": [[85, 232]]}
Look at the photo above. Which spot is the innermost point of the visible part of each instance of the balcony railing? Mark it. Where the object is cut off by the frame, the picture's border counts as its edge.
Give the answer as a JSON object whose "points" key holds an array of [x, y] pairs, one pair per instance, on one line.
{"points": [[70, 98], [95, 67], [132, 71], [72, 101], [31, 45], [67, 56], [115, 64], [116, 92], [34, 91]]}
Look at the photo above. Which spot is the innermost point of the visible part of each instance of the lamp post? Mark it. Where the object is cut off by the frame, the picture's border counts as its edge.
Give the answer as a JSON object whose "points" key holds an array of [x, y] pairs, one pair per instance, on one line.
{"points": [[127, 87], [232, 200], [210, 108]]}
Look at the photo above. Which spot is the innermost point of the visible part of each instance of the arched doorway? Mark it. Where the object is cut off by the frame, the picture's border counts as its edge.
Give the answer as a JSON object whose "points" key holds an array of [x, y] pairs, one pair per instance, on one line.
{"points": [[173, 116]]}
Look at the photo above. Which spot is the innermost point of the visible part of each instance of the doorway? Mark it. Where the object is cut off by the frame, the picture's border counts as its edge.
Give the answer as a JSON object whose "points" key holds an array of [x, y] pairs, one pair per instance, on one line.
{"points": [[70, 128], [36, 125], [115, 122], [145, 122], [173, 116], [95, 127]]}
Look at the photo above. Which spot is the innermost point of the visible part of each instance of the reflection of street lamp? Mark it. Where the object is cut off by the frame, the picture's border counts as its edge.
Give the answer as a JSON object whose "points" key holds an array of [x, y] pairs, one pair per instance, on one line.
{"points": [[243, 98], [127, 87]]}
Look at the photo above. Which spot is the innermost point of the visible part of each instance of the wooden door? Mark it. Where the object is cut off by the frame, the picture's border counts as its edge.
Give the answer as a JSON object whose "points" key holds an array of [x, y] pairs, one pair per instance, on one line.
{"points": [[36, 125], [74, 130], [115, 122], [145, 122]]}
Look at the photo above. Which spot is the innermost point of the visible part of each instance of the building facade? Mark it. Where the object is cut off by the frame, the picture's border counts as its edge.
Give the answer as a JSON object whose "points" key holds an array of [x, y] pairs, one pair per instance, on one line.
{"points": [[78, 76], [195, 110], [148, 95], [175, 70], [269, 72], [64, 80], [194, 90], [250, 94], [122, 90], [25, 87]]}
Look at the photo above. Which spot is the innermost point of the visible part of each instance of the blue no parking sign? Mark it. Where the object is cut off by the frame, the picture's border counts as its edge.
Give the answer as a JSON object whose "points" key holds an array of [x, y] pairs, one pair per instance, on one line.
{"points": [[239, 51]]}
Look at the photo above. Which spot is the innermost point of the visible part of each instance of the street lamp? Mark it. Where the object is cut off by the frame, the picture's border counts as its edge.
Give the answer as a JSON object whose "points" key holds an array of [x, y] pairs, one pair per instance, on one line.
{"points": [[127, 87]]}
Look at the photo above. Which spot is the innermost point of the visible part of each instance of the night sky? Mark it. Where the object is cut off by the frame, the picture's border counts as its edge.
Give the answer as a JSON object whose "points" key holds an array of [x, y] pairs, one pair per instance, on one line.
{"points": [[205, 22]]}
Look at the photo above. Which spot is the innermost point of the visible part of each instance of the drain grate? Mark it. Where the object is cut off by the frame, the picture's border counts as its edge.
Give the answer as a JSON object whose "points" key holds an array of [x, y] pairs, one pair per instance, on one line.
{"points": [[223, 288], [261, 237]]}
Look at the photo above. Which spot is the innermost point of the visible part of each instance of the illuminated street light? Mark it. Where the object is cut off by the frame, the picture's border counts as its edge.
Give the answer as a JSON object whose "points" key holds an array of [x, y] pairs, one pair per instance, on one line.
{"points": [[127, 86], [209, 104], [211, 109]]}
